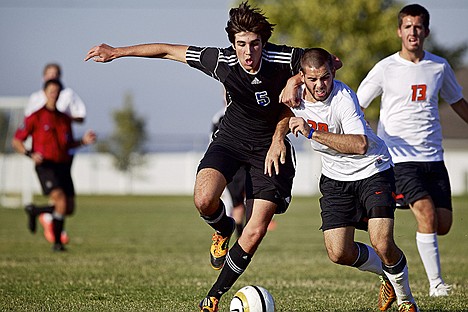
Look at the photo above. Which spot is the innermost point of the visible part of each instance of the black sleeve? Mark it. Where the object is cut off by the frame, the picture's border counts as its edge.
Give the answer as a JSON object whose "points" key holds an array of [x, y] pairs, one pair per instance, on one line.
{"points": [[204, 59]]}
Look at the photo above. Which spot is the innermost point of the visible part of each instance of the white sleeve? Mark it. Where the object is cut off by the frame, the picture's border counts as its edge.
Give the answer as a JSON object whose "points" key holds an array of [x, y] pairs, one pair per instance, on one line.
{"points": [[349, 113], [371, 86], [450, 91], [77, 107], [35, 102], [71, 104]]}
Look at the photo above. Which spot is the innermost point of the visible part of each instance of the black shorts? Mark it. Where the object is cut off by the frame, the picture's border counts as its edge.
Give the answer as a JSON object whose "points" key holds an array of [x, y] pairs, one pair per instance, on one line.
{"points": [[415, 180], [353, 203], [228, 158], [237, 187], [55, 175]]}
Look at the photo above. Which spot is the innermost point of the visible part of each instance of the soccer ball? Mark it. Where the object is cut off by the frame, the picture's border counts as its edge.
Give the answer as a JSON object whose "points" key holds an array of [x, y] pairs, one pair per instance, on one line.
{"points": [[252, 299]]}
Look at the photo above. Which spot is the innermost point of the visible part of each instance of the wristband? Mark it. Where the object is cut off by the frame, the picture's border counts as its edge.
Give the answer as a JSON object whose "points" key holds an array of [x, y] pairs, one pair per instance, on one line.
{"points": [[310, 133], [28, 153]]}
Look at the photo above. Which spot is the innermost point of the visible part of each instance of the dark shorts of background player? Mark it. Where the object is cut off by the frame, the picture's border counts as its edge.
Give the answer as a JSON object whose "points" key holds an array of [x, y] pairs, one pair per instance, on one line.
{"points": [[415, 180], [237, 187], [353, 203], [228, 158], [55, 175]]}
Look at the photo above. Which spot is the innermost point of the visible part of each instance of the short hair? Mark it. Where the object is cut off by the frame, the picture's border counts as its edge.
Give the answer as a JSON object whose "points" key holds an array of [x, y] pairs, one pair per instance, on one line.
{"points": [[52, 65], [414, 10], [245, 18], [53, 81], [316, 57]]}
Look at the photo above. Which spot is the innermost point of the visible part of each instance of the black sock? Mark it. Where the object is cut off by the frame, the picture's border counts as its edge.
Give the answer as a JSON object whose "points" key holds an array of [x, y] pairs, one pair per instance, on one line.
{"points": [[57, 223], [396, 268], [37, 210], [219, 221], [237, 261], [363, 255]]}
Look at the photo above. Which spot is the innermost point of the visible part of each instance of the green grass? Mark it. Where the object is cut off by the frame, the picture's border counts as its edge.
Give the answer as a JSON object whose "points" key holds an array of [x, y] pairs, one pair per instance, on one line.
{"points": [[151, 254]]}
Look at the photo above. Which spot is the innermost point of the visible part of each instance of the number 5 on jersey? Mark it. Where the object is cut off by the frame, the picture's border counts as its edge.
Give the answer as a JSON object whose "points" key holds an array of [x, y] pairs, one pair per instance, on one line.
{"points": [[262, 98]]}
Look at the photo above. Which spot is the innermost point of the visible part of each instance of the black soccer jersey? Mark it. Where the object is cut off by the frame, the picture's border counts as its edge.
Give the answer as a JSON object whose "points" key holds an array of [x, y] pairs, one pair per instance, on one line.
{"points": [[253, 99]]}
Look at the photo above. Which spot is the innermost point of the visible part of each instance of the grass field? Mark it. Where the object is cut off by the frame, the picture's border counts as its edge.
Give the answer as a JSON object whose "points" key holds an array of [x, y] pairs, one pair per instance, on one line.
{"points": [[151, 254]]}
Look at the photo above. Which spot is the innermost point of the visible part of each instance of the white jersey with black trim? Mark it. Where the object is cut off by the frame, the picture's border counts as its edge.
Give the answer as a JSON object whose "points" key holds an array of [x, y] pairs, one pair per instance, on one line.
{"points": [[68, 103], [340, 113], [409, 113], [253, 107]]}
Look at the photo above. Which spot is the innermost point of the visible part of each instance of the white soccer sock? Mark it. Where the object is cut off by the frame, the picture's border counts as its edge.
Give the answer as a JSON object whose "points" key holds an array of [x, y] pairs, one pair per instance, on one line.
{"points": [[400, 283], [429, 252], [373, 263]]}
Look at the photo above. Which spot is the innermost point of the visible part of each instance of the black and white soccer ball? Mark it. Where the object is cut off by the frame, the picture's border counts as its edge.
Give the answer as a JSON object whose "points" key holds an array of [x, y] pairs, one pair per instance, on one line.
{"points": [[252, 299]]}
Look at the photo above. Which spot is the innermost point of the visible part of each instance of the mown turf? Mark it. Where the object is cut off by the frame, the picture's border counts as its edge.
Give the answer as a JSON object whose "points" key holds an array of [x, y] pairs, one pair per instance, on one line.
{"points": [[151, 254]]}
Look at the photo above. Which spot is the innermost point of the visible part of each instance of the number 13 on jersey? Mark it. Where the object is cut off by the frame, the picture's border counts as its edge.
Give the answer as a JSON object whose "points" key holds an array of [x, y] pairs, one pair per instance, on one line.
{"points": [[419, 92]]}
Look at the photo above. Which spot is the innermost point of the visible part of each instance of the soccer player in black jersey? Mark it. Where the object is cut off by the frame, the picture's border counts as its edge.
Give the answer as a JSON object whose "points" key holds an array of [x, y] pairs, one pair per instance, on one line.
{"points": [[253, 72]]}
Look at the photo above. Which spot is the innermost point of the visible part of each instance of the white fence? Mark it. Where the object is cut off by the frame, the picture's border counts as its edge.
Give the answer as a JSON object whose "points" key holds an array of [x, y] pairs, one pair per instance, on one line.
{"points": [[173, 173]]}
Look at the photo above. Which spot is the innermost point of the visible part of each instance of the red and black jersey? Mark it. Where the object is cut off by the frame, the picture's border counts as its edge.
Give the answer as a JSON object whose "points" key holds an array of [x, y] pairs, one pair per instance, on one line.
{"points": [[51, 134], [253, 106]]}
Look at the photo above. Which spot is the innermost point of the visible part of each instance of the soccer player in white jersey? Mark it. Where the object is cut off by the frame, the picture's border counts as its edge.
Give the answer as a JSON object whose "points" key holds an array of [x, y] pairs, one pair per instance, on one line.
{"points": [[357, 181], [409, 83], [69, 102], [253, 72]]}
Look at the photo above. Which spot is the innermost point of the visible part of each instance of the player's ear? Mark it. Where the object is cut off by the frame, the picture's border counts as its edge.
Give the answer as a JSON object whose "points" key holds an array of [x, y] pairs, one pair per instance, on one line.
{"points": [[428, 31]]}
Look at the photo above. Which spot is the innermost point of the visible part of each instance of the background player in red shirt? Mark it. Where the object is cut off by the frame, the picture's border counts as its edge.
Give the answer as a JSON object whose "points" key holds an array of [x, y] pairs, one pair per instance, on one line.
{"points": [[52, 144]]}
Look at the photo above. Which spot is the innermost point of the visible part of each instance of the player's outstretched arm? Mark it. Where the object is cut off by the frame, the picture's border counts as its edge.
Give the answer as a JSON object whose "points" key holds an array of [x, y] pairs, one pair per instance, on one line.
{"points": [[105, 53]]}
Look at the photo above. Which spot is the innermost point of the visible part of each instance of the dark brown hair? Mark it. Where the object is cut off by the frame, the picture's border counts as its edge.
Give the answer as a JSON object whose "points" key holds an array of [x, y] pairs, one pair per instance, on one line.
{"points": [[316, 57], [247, 19], [414, 10]]}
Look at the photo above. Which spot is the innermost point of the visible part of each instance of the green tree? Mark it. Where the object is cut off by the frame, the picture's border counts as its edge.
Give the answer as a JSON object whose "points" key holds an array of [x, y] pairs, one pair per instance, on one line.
{"points": [[127, 139], [359, 32]]}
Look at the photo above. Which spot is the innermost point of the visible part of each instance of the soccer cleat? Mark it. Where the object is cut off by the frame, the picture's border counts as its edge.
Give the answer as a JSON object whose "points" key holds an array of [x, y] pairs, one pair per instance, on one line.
{"points": [[46, 221], [386, 294], [441, 290], [57, 247], [218, 250], [31, 218], [408, 307], [209, 304]]}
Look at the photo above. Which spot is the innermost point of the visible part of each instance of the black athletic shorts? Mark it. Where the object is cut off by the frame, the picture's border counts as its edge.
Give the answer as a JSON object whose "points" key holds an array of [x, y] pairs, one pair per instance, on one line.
{"points": [[55, 175], [353, 203], [237, 187], [228, 158], [415, 180]]}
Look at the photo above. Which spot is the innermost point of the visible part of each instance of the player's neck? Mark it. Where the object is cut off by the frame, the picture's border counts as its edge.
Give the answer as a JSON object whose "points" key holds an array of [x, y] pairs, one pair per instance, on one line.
{"points": [[414, 57], [50, 106]]}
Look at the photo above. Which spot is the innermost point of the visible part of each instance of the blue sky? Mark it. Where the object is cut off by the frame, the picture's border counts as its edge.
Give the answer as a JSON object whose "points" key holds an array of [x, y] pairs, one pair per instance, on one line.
{"points": [[173, 98]]}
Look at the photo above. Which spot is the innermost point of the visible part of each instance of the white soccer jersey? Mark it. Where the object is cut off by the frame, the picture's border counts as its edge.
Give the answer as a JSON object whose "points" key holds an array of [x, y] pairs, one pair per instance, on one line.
{"points": [[341, 114], [409, 114], [68, 102]]}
